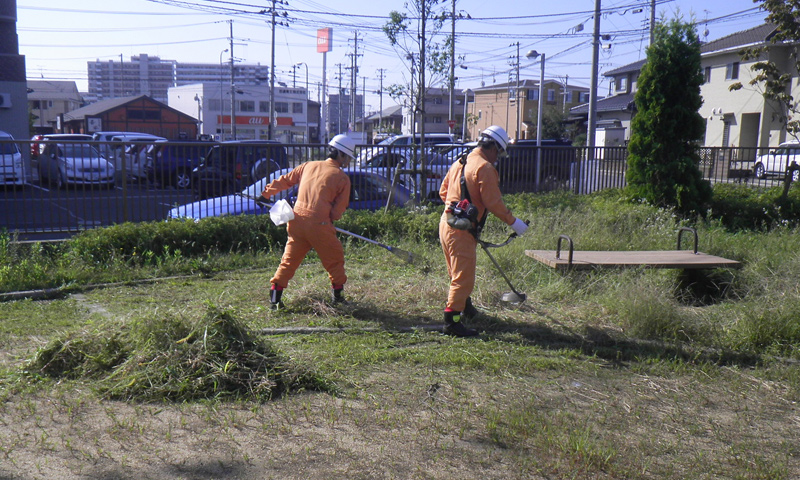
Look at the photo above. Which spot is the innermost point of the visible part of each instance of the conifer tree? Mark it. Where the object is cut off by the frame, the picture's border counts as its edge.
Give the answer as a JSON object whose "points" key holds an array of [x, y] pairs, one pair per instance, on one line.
{"points": [[663, 158]]}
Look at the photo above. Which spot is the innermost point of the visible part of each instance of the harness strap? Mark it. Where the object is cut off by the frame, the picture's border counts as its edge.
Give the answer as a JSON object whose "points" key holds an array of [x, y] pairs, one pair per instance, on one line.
{"points": [[478, 228]]}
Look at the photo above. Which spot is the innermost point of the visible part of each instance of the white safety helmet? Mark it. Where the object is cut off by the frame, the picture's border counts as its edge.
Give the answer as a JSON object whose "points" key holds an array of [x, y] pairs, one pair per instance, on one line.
{"points": [[498, 134], [344, 144]]}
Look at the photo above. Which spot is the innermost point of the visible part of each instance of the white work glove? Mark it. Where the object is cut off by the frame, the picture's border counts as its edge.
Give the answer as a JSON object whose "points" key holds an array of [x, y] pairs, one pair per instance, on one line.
{"points": [[519, 226]]}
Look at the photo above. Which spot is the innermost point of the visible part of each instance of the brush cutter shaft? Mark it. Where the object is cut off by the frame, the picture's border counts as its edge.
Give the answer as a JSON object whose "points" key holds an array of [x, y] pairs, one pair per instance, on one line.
{"points": [[502, 273], [402, 254]]}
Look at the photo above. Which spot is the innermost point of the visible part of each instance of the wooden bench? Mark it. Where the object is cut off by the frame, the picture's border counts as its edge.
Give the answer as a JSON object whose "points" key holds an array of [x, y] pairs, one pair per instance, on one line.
{"points": [[590, 259]]}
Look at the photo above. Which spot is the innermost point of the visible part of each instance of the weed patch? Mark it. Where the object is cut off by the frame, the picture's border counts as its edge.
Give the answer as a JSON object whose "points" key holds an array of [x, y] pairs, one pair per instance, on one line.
{"points": [[176, 360]]}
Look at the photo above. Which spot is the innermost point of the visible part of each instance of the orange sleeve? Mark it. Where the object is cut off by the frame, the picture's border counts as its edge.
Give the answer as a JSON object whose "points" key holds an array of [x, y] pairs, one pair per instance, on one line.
{"points": [[283, 182], [489, 185]]}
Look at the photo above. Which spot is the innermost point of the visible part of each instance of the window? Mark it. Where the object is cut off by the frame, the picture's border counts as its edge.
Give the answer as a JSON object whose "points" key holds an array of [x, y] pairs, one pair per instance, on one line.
{"points": [[568, 96], [144, 114], [282, 107], [584, 97], [436, 120], [533, 94], [247, 106], [732, 71], [297, 107], [707, 75], [551, 95], [622, 84], [263, 107]]}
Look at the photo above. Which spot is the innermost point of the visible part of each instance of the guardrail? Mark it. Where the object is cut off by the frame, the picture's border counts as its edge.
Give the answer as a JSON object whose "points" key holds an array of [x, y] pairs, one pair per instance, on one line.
{"points": [[42, 197]]}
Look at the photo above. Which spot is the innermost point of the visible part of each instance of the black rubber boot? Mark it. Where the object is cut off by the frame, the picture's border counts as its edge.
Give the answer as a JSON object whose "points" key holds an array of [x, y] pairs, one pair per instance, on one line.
{"points": [[275, 302], [338, 297], [470, 311], [453, 326]]}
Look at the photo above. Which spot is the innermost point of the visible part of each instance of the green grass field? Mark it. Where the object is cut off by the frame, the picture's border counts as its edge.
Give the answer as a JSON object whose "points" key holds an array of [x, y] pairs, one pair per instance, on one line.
{"points": [[157, 357]]}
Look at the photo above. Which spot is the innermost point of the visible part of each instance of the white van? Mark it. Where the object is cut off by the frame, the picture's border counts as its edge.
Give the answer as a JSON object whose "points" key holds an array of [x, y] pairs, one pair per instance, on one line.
{"points": [[12, 170], [778, 161], [430, 139], [135, 148]]}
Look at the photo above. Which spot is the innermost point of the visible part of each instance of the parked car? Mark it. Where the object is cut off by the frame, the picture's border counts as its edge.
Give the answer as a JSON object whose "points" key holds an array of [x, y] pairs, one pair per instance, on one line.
{"points": [[171, 163], [39, 142], [73, 163], [12, 169], [130, 153], [430, 139], [230, 166], [518, 171], [368, 191], [385, 162], [778, 161]]}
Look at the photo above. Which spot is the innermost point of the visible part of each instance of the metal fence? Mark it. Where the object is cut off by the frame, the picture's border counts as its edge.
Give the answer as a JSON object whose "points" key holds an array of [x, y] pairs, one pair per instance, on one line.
{"points": [[49, 189]]}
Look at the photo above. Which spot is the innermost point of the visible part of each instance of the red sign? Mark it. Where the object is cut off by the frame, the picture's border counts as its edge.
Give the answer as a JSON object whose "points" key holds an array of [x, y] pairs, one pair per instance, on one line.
{"points": [[256, 120], [451, 123], [324, 40]]}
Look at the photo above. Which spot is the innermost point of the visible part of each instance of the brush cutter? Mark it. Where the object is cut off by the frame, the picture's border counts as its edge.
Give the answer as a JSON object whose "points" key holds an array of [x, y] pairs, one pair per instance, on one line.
{"points": [[404, 255], [513, 296]]}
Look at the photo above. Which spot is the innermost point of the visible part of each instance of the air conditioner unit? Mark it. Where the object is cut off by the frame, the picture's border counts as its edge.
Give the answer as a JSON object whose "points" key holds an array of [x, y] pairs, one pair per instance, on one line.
{"points": [[5, 100]]}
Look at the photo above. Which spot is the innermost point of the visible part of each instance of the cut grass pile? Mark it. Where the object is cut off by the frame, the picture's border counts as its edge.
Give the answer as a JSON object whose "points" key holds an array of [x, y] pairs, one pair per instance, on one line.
{"points": [[175, 359]]}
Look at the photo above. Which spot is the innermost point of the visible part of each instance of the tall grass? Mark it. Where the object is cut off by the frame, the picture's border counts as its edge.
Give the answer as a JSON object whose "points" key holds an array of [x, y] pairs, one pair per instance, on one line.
{"points": [[754, 309]]}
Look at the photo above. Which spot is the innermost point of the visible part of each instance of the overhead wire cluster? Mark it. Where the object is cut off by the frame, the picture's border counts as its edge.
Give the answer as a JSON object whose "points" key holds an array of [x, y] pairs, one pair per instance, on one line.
{"points": [[482, 42]]}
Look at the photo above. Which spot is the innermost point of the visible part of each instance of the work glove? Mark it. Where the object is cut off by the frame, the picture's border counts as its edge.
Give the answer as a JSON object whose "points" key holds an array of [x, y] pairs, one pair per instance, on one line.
{"points": [[519, 226]]}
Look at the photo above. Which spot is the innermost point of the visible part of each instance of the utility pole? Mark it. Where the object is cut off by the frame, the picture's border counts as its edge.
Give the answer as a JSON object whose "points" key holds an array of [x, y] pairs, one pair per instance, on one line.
{"points": [[423, 183], [450, 113], [380, 104], [271, 128], [652, 21], [353, 78], [516, 95], [339, 102], [233, 88]]}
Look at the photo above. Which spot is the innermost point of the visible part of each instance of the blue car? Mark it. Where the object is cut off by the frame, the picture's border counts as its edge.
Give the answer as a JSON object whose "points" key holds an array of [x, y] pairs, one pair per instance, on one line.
{"points": [[172, 162], [368, 191]]}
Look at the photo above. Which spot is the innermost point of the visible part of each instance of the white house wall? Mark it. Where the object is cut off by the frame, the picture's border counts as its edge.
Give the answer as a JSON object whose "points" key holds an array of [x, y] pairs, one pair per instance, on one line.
{"points": [[721, 105]]}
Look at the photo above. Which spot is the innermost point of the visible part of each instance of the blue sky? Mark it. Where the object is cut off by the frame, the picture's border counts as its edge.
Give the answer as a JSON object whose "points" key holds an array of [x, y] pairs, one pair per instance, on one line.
{"points": [[58, 38]]}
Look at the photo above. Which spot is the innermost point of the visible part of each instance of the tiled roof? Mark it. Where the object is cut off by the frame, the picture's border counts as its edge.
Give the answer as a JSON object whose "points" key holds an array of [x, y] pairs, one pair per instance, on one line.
{"points": [[616, 103], [631, 67], [756, 35], [53, 90]]}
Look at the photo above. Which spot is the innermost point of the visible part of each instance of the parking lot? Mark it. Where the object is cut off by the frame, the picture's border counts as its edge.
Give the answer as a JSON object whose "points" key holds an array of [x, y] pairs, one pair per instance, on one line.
{"points": [[40, 212]]}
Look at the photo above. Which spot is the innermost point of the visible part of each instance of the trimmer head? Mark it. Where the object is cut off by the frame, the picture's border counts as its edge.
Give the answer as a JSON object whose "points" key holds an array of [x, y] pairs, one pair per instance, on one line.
{"points": [[513, 297]]}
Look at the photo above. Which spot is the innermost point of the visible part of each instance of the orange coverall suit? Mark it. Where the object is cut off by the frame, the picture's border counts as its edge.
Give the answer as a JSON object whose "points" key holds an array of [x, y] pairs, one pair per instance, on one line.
{"points": [[322, 197], [460, 246]]}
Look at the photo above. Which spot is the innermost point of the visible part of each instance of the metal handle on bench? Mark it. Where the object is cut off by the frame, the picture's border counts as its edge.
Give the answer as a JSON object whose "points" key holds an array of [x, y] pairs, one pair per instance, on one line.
{"points": [[687, 229], [558, 248]]}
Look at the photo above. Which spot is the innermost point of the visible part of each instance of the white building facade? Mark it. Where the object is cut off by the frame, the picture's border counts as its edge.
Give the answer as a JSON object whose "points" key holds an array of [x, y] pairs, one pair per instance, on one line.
{"points": [[211, 104]]}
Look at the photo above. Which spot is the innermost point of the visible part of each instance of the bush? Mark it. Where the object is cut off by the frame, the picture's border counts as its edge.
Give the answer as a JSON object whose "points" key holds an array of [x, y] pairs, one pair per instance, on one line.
{"points": [[740, 207], [190, 239]]}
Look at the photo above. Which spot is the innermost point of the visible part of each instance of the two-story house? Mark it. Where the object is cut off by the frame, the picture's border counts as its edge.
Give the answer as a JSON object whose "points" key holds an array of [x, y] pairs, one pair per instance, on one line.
{"points": [[615, 111], [48, 100], [437, 111], [497, 105], [744, 118], [740, 118]]}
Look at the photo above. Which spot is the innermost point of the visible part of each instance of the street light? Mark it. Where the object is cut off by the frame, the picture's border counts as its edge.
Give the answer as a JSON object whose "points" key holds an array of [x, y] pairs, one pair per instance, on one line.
{"points": [[533, 54], [306, 107], [464, 120], [199, 113], [221, 124]]}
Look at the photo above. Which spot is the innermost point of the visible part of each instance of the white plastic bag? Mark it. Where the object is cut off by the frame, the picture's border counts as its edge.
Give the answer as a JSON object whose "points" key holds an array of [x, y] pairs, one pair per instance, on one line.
{"points": [[281, 212]]}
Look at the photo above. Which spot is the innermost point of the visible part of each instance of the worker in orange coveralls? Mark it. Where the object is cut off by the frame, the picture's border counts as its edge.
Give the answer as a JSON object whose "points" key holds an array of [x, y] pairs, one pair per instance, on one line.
{"points": [[460, 239], [322, 197]]}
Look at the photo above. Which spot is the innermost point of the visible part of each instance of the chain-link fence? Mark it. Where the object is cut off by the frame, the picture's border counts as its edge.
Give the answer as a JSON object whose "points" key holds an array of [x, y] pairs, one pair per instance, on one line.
{"points": [[56, 186]]}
